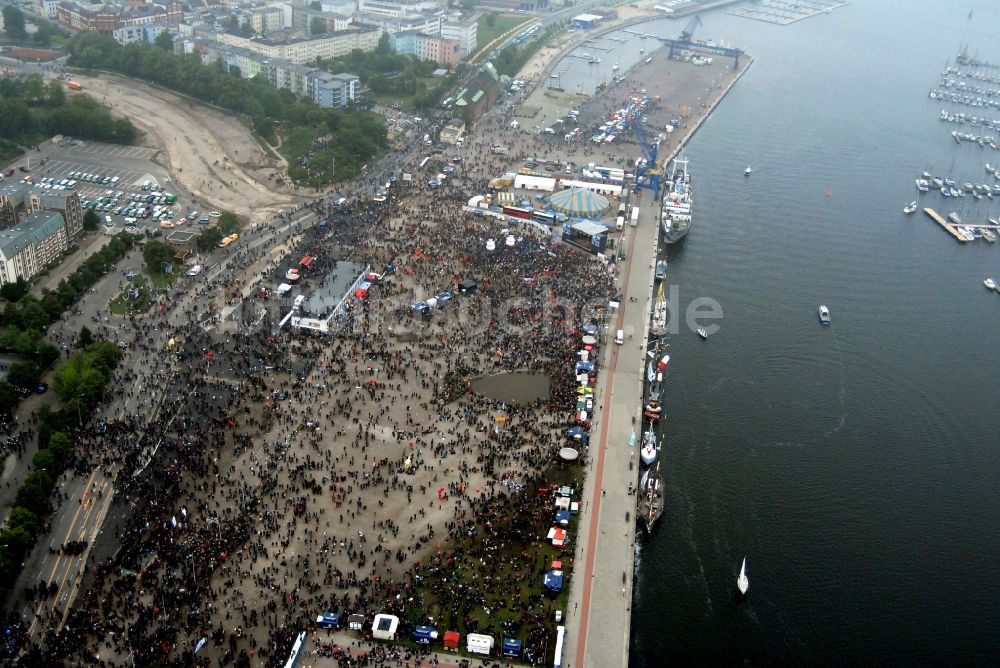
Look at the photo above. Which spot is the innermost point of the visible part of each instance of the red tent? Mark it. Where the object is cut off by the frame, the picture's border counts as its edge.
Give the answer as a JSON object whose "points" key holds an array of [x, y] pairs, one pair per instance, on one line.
{"points": [[306, 261], [451, 639]]}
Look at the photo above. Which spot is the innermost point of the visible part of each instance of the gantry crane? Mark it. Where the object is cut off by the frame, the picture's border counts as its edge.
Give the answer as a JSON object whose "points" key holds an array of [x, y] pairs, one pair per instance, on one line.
{"points": [[686, 42]]}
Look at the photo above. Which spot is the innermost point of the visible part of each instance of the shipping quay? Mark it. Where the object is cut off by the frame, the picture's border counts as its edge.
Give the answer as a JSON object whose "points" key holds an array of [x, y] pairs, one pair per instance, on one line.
{"points": [[599, 610]]}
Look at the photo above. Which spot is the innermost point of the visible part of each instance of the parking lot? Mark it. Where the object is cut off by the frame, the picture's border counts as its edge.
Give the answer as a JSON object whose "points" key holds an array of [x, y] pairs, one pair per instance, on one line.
{"points": [[120, 183], [114, 150], [64, 169]]}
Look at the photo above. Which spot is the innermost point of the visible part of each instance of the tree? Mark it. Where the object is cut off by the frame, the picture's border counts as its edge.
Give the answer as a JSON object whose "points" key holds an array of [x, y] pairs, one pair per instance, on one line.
{"points": [[228, 222], [44, 459], [209, 239], [13, 22], [23, 518], [91, 221], [317, 26], [34, 492], [24, 374], [62, 446], [13, 292], [85, 338], [165, 41], [45, 31], [156, 254], [55, 95], [19, 539], [491, 20], [9, 398]]}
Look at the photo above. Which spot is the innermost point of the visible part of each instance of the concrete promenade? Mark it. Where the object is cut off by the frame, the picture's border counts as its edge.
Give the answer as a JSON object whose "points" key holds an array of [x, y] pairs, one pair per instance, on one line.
{"points": [[599, 610]]}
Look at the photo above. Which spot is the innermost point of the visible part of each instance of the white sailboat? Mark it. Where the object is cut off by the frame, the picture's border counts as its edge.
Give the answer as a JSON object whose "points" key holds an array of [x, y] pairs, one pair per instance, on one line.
{"points": [[741, 582], [659, 324]]}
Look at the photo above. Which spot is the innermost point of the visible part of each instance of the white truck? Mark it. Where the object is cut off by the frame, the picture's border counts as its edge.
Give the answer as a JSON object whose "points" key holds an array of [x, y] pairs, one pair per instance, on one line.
{"points": [[634, 221]]}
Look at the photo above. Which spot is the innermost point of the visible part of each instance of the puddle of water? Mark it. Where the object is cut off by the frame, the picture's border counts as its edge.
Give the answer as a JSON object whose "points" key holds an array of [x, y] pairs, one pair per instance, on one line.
{"points": [[518, 387]]}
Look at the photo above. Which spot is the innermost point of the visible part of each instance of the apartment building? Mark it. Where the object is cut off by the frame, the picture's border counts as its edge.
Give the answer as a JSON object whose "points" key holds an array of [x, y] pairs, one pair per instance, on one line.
{"points": [[428, 22], [64, 202], [307, 49], [445, 52], [396, 8], [464, 31], [144, 33], [108, 18], [31, 246], [13, 203], [267, 19]]}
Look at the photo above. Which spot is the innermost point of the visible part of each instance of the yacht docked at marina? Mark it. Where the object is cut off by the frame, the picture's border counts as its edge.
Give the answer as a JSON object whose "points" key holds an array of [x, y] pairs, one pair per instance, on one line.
{"points": [[675, 212]]}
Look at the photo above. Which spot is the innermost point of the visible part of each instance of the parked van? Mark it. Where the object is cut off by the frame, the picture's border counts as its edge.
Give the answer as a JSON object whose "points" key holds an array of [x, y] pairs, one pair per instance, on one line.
{"points": [[620, 223], [620, 337]]}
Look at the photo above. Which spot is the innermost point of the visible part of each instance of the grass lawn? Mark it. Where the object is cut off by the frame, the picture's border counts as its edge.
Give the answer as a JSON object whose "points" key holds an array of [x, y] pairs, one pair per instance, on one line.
{"points": [[123, 303], [163, 281], [486, 34], [490, 581]]}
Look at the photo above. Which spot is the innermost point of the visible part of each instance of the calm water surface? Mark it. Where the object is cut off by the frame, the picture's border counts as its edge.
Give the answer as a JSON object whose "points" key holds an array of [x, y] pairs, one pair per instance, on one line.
{"points": [[857, 467]]}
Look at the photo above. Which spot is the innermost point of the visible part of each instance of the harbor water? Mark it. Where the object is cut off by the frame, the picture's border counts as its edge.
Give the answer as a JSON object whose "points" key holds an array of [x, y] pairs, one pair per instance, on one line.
{"points": [[856, 466]]}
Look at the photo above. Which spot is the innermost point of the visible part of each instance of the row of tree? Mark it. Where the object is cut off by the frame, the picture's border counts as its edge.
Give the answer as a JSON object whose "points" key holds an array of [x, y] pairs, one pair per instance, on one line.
{"points": [[81, 381], [33, 314], [16, 28], [510, 60], [31, 110], [359, 135]]}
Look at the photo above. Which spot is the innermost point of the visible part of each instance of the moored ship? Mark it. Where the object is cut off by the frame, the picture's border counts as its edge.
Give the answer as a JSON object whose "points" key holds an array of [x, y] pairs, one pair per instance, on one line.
{"points": [[675, 212], [650, 497]]}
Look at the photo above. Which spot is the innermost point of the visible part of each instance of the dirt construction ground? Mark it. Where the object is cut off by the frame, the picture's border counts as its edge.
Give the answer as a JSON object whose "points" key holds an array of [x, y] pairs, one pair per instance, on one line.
{"points": [[210, 154]]}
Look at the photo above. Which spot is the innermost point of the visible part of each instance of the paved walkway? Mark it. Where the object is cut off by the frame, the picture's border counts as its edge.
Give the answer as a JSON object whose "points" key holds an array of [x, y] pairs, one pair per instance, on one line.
{"points": [[600, 602]]}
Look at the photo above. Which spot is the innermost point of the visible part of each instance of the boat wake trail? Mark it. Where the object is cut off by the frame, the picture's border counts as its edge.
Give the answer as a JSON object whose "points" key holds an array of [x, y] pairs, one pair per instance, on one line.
{"points": [[842, 393]]}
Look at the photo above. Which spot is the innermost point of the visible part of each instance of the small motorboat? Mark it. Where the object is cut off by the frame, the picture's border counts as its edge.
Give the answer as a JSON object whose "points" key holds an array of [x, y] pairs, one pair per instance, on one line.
{"points": [[923, 186], [742, 583], [990, 284], [953, 217], [910, 208], [824, 314], [661, 270], [747, 171], [653, 410], [703, 333], [989, 236]]}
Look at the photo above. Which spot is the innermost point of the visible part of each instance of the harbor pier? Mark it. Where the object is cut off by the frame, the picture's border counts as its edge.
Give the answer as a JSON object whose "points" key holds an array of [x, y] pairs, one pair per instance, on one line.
{"points": [[599, 610]]}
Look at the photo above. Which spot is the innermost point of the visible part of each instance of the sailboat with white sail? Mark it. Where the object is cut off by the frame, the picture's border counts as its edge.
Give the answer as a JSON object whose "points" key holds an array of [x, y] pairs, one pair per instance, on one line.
{"points": [[742, 583]]}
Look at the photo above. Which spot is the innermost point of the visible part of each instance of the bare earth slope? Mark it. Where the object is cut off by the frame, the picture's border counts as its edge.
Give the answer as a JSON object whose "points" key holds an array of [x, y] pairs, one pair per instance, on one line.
{"points": [[211, 154]]}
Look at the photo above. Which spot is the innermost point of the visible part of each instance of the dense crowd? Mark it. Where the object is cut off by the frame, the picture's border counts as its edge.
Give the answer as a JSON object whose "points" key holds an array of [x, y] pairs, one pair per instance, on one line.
{"points": [[295, 473]]}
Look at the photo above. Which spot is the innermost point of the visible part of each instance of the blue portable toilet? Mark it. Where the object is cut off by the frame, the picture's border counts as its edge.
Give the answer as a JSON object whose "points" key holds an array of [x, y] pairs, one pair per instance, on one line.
{"points": [[424, 635], [511, 648]]}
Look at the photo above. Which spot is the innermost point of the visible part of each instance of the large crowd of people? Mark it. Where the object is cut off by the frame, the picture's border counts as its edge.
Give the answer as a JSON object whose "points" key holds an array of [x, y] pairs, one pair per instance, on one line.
{"points": [[296, 473]]}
